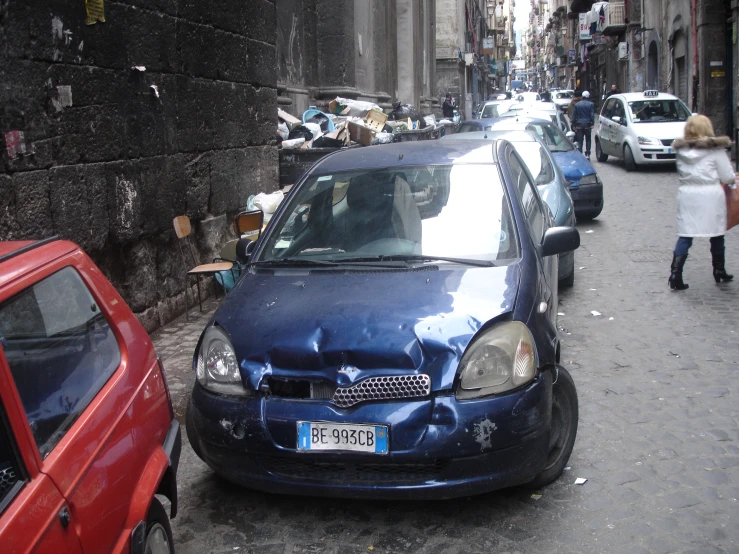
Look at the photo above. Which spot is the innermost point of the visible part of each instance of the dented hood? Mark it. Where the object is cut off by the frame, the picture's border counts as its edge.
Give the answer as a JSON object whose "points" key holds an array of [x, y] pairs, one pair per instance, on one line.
{"points": [[573, 164], [345, 326]]}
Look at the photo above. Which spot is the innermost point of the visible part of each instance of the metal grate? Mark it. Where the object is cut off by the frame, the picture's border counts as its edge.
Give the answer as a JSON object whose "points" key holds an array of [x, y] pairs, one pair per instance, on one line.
{"points": [[383, 388], [347, 472]]}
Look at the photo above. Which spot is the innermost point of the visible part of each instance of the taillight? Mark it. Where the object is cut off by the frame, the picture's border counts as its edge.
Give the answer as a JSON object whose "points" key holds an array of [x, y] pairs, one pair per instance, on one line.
{"points": [[166, 387]]}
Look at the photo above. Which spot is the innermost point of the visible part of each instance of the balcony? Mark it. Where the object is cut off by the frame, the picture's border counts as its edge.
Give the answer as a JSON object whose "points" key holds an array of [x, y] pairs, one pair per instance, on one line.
{"points": [[615, 23]]}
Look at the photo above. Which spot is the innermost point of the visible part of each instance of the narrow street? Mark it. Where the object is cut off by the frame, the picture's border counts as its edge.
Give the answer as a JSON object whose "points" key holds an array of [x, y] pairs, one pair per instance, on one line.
{"points": [[658, 440]]}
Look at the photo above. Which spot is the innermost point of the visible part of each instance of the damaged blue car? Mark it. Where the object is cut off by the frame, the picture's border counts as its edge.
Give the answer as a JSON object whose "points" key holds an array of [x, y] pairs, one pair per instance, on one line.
{"points": [[393, 334]]}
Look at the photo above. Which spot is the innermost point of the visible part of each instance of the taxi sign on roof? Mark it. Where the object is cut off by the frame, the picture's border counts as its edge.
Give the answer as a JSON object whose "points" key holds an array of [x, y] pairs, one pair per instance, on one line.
{"points": [[651, 93]]}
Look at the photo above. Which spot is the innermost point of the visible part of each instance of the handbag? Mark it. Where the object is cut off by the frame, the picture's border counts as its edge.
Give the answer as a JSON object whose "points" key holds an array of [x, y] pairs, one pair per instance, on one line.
{"points": [[732, 206]]}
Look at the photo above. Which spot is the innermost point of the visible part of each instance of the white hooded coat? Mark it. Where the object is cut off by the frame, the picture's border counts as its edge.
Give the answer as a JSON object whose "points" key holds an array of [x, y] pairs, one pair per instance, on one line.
{"points": [[703, 165]]}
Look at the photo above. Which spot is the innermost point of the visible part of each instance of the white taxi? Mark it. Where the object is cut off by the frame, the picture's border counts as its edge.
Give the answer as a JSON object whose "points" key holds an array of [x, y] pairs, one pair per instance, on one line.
{"points": [[639, 127]]}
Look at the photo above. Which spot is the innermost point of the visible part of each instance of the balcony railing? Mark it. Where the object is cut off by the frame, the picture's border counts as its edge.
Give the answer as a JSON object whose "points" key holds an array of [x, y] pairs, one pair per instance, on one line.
{"points": [[615, 14]]}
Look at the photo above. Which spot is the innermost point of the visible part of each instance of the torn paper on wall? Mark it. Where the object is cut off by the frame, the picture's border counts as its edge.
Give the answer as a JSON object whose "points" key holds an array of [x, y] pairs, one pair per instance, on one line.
{"points": [[95, 11], [15, 143]]}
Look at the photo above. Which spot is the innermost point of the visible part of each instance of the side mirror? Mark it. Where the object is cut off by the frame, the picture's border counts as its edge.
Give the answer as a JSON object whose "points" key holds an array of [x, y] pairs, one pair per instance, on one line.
{"points": [[244, 248], [616, 118], [570, 134], [558, 240], [694, 113]]}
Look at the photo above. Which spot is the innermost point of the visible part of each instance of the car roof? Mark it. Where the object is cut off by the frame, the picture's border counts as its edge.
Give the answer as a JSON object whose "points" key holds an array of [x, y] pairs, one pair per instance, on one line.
{"points": [[500, 134], [633, 96], [481, 121], [403, 154], [18, 258]]}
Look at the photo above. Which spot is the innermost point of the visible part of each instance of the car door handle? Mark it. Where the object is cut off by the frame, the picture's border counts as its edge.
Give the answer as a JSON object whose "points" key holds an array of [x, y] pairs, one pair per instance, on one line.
{"points": [[64, 517]]}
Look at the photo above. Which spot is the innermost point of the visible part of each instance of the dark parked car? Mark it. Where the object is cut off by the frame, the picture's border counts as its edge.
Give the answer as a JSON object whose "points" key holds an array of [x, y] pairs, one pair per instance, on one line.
{"points": [[394, 334], [472, 125]]}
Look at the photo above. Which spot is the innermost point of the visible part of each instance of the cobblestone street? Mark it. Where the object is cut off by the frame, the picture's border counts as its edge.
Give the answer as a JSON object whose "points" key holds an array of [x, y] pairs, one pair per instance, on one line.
{"points": [[658, 439]]}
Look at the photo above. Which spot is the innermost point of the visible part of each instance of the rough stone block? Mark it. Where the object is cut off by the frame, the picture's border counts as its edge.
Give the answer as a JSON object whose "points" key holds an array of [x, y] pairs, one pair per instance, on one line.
{"points": [[33, 212], [163, 192], [261, 22], [149, 319], [211, 54], [151, 39], [232, 116], [197, 179], [221, 14], [140, 285], [125, 201], [262, 64], [263, 131], [171, 268], [195, 108], [9, 228], [212, 234], [70, 208], [230, 169]]}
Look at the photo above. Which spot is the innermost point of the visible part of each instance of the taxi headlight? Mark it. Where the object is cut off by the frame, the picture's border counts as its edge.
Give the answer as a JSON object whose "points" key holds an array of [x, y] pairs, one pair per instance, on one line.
{"points": [[502, 359], [649, 141], [591, 179], [217, 368]]}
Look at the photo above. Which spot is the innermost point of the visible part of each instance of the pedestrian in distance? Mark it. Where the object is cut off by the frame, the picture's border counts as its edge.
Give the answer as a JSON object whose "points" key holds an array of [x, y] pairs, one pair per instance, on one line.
{"points": [[576, 97], [614, 90], [703, 165], [447, 107], [546, 96], [583, 119]]}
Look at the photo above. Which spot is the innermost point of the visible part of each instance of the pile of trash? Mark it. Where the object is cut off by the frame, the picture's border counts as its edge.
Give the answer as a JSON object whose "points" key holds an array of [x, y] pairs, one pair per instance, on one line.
{"points": [[348, 122]]}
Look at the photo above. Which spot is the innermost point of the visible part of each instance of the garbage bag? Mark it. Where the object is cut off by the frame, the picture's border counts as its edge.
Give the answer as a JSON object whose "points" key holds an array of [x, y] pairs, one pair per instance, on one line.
{"points": [[403, 111], [320, 119], [268, 203], [227, 279], [300, 131]]}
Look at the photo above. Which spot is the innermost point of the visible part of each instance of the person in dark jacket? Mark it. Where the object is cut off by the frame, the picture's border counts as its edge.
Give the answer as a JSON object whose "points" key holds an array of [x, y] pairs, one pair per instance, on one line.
{"points": [[448, 106], [576, 97], [546, 96], [583, 118], [614, 90]]}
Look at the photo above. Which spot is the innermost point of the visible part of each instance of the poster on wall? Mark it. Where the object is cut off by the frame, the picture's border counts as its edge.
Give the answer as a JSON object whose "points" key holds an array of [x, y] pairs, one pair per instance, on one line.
{"points": [[584, 27]]}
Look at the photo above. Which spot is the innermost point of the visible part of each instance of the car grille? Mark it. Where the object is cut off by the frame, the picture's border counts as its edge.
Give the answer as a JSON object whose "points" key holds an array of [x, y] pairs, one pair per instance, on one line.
{"points": [[665, 156], [347, 472], [383, 388], [668, 142]]}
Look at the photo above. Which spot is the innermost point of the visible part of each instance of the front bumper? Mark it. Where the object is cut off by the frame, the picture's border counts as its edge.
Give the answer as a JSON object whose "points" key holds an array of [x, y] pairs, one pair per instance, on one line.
{"points": [[587, 198], [654, 155], [439, 448]]}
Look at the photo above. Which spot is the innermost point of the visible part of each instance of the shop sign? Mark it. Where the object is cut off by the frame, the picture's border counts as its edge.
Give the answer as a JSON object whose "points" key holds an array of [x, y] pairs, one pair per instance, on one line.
{"points": [[584, 27]]}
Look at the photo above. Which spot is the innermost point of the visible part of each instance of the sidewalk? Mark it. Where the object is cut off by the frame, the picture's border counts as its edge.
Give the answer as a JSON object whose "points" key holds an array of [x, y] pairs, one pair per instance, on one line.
{"points": [[175, 344]]}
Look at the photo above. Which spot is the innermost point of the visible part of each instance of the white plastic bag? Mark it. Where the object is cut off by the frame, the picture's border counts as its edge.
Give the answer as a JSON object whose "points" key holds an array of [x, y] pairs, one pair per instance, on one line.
{"points": [[268, 203], [292, 143]]}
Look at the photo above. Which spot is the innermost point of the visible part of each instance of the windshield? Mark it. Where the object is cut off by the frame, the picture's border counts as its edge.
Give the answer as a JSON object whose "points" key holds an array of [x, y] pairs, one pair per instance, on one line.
{"points": [[459, 211], [490, 110], [649, 111], [469, 128], [555, 139], [563, 95]]}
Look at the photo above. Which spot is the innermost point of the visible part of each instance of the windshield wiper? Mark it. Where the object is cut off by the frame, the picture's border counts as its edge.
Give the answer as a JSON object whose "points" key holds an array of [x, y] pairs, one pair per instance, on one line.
{"points": [[423, 258], [294, 262]]}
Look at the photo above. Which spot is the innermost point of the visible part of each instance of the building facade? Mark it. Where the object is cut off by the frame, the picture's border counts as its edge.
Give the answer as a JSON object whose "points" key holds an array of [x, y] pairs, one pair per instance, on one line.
{"points": [[376, 50]]}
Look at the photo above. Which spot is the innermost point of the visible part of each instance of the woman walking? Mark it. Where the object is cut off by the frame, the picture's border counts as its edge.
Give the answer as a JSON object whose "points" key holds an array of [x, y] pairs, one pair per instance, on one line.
{"points": [[703, 166]]}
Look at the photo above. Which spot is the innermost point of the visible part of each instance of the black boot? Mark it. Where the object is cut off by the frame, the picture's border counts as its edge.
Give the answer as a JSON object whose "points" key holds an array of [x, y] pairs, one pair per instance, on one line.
{"points": [[719, 271], [676, 277]]}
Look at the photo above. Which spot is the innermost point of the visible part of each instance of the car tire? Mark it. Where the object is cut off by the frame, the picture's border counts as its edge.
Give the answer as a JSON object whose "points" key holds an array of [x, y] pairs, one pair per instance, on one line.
{"points": [[563, 429], [599, 155], [629, 161], [568, 281], [158, 530], [190, 428]]}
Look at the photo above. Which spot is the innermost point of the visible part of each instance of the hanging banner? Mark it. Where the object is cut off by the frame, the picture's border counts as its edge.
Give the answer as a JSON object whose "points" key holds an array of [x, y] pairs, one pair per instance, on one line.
{"points": [[584, 27], [95, 11]]}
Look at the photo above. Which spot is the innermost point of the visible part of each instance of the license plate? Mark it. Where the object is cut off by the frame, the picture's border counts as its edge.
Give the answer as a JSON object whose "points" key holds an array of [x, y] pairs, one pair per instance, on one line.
{"points": [[316, 435], [669, 150]]}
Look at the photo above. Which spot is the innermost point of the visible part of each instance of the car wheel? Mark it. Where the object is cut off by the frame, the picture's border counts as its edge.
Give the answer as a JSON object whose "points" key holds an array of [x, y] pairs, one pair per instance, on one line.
{"points": [[569, 280], [190, 428], [158, 530], [563, 429], [599, 155], [629, 158]]}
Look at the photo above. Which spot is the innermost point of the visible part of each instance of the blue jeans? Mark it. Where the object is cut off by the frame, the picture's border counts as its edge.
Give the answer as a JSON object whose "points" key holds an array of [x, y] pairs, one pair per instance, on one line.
{"points": [[684, 244]]}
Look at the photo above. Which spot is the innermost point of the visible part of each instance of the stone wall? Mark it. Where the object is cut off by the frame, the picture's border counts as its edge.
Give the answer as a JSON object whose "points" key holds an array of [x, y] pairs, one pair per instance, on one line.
{"points": [[109, 165]]}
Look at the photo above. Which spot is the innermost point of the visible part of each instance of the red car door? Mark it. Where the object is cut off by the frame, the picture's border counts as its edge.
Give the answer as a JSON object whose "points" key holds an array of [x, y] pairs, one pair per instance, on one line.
{"points": [[34, 516]]}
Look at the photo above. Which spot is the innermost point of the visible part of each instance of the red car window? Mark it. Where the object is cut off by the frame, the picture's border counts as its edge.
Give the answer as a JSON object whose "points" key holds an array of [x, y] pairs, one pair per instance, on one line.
{"points": [[60, 350]]}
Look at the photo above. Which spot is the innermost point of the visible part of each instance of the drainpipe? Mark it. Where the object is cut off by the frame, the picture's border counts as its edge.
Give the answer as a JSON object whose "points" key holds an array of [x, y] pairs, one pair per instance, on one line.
{"points": [[695, 53]]}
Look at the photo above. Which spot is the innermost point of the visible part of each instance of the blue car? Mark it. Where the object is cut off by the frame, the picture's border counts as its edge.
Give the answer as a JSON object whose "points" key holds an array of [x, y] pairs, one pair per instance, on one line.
{"points": [[394, 333], [585, 185]]}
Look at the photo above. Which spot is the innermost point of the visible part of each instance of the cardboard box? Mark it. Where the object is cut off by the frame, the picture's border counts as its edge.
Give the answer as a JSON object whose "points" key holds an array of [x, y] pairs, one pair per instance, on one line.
{"points": [[373, 123], [287, 118], [337, 109]]}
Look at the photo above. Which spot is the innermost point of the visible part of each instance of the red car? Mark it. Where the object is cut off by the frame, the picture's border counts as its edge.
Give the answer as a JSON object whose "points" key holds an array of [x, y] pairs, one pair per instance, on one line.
{"points": [[87, 432]]}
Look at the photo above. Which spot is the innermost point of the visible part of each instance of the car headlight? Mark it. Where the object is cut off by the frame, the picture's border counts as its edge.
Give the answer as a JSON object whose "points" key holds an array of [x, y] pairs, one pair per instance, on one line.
{"points": [[649, 141], [589, 179], [502, 359], [217, 368]]}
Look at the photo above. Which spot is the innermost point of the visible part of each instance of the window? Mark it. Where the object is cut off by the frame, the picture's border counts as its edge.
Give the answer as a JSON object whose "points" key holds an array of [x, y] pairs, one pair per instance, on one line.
{"points": [[529, 198], [555, 139], [607, 110], [60, 350], [469, 128], [11, 473], [490, 110], [650, 111], [537, 161]]}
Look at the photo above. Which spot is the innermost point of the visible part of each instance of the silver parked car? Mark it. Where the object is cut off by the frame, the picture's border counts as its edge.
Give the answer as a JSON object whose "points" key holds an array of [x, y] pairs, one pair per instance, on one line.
{"points": [[549, 181]]}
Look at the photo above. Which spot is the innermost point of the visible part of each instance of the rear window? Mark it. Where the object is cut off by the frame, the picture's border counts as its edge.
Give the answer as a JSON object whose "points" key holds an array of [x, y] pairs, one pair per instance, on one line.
{"points": [[469, 128], [60, 350], [490, 110]]}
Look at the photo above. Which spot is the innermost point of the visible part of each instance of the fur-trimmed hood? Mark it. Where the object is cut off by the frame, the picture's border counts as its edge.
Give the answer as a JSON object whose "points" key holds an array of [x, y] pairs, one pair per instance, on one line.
{"points": [[703, 143]]}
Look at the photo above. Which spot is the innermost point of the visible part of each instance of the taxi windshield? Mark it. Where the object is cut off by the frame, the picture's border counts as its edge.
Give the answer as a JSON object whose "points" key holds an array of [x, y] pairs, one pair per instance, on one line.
{"points": [[652, 111], [459, 211]]}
